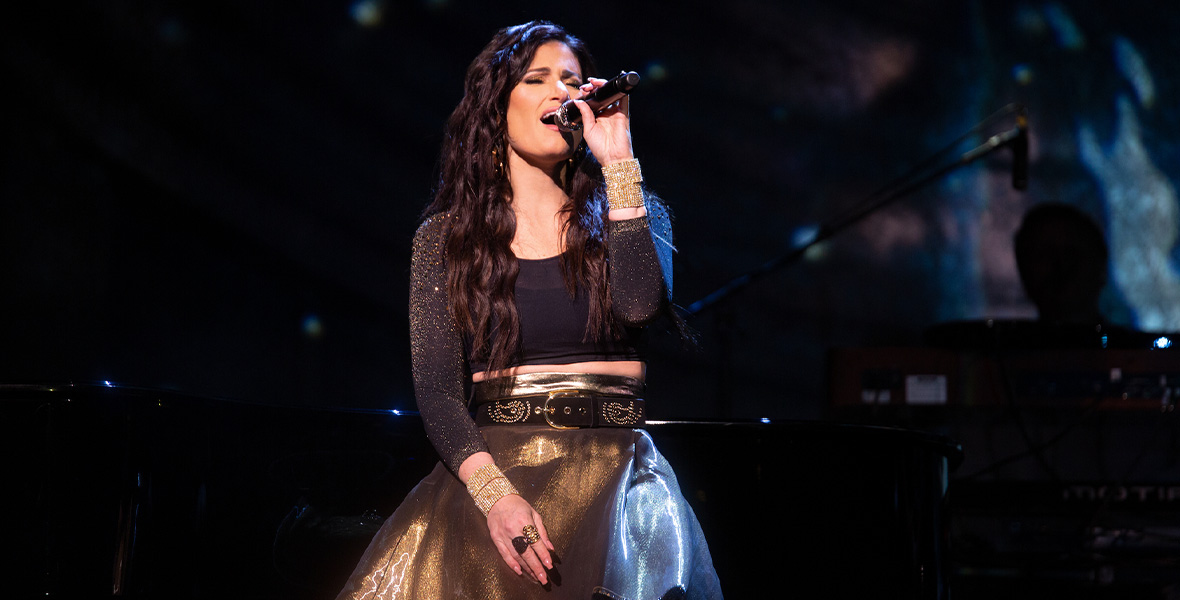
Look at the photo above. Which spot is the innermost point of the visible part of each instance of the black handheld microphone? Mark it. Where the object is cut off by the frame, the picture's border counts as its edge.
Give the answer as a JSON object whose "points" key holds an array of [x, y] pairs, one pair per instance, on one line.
{"points": [[569, 118], [1020, 154]]}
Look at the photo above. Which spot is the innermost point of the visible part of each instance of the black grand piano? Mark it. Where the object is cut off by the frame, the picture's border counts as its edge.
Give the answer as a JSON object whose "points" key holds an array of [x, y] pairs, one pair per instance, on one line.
{"points": [[120, 492]]}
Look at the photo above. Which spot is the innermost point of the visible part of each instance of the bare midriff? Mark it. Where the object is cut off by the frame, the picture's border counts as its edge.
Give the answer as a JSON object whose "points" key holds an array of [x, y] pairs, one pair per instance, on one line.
{"points": [[629, 368]]}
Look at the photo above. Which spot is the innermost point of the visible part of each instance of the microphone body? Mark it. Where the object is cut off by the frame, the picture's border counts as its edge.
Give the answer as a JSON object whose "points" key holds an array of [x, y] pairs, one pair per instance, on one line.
{"points": [[569, 118], [1020, 155], [1016, 139]]}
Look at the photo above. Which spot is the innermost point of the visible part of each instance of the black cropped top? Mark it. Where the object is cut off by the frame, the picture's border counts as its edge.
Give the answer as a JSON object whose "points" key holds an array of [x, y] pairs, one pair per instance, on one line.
{"points": [[639, 254], [553, 325]]}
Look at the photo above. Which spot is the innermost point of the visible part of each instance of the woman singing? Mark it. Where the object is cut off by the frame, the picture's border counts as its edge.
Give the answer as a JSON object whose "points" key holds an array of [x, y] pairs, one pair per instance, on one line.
{"points": [[539, 263]]}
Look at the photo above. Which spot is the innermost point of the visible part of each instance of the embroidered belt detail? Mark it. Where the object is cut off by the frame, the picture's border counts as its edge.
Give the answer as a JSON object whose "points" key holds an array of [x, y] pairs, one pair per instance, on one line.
{"points": [[563, 409], [560, 400], [508, 411], [623, 413]]}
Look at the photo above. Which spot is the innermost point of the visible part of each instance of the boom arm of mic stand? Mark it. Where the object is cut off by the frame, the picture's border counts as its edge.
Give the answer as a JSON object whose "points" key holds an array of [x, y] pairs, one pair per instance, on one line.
{"points": [[839, 224]]}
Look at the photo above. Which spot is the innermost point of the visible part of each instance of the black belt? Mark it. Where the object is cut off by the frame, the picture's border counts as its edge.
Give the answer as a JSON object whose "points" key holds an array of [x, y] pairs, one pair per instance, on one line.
{"points": [[563, 409]]}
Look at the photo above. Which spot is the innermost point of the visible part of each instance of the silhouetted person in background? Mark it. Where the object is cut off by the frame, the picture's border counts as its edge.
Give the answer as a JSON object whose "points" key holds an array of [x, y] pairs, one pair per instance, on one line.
{"points": [[1062, 258]]}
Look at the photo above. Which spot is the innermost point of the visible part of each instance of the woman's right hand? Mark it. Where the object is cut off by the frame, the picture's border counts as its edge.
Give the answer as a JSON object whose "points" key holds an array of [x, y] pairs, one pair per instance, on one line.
{"points": [[506, 520]]}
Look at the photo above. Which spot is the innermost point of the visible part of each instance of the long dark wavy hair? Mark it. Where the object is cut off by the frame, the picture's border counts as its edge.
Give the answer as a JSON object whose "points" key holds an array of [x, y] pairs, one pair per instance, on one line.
{"points": [[475, 195]]}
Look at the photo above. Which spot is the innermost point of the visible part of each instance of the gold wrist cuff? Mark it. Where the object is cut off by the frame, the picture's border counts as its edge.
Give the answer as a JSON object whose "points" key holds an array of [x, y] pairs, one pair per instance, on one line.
{"points": [[493, 491], [623, 189], [487, 485], [481, 477]]}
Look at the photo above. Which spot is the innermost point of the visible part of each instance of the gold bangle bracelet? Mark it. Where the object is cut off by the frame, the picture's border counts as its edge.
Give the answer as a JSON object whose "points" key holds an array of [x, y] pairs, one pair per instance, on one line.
{"points": [[487, 485], [481, 477], [492, 492], [623, 184]]}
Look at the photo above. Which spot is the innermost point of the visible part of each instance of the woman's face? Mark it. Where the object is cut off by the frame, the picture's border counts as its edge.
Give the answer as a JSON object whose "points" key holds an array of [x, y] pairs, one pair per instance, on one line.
{"points": [[552, 78]]}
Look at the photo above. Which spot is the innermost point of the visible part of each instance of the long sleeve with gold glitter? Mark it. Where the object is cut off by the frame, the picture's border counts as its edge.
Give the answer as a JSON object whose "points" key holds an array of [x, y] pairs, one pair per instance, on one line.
{"points": [[640, 255]]}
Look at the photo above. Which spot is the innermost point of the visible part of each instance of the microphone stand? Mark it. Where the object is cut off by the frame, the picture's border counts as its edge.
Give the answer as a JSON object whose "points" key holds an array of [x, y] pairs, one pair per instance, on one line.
{"points": [[873, 203]]}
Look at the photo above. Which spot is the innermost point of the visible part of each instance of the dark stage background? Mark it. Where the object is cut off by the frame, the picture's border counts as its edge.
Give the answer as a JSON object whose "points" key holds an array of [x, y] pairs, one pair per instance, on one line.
{"points": [[217, 198]]}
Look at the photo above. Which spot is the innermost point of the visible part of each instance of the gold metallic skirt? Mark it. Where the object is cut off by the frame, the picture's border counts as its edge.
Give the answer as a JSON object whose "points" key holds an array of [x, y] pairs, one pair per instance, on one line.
{"points": [[609, 500]]}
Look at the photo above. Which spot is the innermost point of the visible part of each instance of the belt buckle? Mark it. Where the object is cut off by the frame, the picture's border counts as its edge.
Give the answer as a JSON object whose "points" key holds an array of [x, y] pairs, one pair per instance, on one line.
{"points": [[547, 410]]}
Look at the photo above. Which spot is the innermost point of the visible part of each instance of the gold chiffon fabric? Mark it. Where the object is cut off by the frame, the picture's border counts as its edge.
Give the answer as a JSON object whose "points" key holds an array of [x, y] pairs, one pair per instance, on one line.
{"points": [[610, 503]]}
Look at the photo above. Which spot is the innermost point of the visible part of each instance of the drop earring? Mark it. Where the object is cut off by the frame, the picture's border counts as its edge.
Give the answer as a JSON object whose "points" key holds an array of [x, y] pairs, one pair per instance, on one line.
{"points": [[498, 161]]}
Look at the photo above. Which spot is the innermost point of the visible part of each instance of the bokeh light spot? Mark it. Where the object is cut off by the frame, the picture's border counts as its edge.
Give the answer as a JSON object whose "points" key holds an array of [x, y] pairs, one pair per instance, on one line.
{"points": [[656, 71], [313, 327], [367, 13], [1022, 74]]}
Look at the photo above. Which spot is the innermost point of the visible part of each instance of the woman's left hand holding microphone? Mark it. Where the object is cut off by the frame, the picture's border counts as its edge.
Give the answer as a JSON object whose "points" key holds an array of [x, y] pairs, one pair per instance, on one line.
{"points": [[607, 134]]}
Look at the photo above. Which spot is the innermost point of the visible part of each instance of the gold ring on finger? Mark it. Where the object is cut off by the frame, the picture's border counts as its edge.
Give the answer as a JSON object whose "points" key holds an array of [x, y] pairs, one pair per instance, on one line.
{"points": [[531, 534]]}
